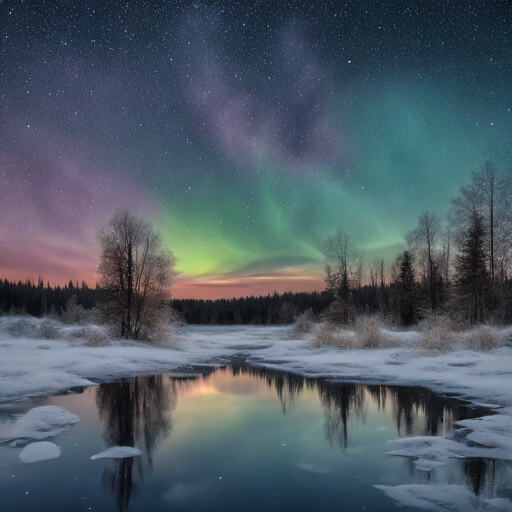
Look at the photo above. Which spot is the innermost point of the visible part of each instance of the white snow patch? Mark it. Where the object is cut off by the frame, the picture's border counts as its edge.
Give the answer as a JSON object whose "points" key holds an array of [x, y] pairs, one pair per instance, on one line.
{"points": [[117, 452], [38, 423], [42, 450]]}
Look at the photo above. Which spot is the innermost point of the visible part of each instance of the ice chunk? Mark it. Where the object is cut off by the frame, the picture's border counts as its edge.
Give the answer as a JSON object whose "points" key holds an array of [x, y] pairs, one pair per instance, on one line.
{"points": [[428, 464], [43, 450], [117, 452], [39, 423], [501, 504], [437, 497]]}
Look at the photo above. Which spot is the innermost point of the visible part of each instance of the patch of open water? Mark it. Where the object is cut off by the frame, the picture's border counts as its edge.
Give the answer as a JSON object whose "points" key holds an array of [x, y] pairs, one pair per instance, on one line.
{"points": [[236, 438]]}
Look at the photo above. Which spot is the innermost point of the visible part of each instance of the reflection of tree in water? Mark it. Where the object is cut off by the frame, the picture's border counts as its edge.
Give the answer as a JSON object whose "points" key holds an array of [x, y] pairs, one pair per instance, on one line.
{"points": [[341, 401], [416, 410], [286, 385], [481, 473], [134, 412]]}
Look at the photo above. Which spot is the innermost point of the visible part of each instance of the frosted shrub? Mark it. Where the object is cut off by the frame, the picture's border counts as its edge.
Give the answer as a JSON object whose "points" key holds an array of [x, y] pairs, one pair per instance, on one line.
{"points": [[485, 338], [22, 328], [329, 335], [164, 326], [48, 330], [304, 322], [74, 313], [370, 332], [437, 333], [94, 335]]}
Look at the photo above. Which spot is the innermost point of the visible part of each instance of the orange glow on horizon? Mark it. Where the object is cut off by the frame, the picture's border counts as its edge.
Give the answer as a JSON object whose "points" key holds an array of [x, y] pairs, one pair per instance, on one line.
{"points": [[186, 287]]}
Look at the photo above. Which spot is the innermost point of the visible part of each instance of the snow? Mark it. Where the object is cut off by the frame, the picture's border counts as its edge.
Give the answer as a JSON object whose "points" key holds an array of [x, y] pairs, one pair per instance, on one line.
{"points": [[43, 450], [38, 423], [117, 452], [31, 366]]}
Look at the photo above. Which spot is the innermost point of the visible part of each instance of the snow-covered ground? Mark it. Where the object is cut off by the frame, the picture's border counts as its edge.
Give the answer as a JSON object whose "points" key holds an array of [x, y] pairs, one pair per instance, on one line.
{"points": [[32, 365]]}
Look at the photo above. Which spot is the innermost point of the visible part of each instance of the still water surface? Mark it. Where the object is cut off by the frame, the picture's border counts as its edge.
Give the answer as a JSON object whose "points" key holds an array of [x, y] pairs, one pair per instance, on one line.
{"points": [[238, 438]]}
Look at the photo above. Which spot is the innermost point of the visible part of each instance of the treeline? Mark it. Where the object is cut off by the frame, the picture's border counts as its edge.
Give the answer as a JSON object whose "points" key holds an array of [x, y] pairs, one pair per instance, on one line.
{"points": [[39, 300], [460, 265], [273, 309]]}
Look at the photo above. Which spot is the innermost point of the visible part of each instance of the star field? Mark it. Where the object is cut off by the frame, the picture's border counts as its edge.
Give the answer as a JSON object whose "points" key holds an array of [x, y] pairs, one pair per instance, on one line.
{"points": [[247, 132]]}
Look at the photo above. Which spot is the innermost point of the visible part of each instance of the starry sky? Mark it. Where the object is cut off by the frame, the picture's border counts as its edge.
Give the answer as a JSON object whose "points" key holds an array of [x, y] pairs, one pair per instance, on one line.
{"points": [[247, 132]]}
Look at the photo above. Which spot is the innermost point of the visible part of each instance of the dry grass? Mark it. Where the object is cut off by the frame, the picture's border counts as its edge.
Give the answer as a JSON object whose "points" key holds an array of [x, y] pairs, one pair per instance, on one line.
{"points": [[327, 334], [484, 337], [438, 333], [368, 332], [94, 335]]}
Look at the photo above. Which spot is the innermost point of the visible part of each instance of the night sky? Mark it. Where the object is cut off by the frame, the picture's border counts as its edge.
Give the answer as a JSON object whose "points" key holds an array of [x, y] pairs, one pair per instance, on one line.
{"points": [[247, 132]]}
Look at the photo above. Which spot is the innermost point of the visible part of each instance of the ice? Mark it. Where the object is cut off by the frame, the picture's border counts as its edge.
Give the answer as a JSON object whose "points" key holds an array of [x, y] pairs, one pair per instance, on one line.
{"points": [[437, 497], [499, 504], [117, 452], [438, 450], [38, 423], [42, 450]]}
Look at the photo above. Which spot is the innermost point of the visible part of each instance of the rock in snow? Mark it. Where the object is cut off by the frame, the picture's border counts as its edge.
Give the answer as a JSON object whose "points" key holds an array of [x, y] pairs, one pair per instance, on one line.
{"points": [[117, 452], [43, 450]]}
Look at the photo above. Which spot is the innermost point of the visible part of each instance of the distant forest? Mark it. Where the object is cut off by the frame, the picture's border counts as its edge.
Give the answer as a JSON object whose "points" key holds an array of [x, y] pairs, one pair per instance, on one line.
{"points": [[40, 299], [277, 309]]}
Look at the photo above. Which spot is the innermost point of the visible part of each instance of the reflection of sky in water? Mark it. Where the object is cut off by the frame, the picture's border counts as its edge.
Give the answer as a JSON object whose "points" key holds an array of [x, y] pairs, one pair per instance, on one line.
{"points": [[238, 438]]}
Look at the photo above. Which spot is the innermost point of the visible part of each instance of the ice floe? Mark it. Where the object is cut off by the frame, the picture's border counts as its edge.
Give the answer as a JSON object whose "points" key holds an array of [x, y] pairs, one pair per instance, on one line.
{"points": [[38, 423], [443, 498], [117, 452], [42, 450]]}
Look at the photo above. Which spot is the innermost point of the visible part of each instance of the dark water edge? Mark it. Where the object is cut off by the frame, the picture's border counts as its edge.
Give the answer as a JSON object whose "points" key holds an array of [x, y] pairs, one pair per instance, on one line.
{"points": [[237, 437]]}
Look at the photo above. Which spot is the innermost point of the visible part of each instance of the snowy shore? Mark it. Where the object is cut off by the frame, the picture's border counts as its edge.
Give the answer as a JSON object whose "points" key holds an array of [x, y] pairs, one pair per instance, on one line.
{"points": [[31, 365]]}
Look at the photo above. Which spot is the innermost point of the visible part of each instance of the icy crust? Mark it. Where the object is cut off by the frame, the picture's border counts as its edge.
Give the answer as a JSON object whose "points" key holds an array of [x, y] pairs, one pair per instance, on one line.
{"points": [[38, 423], [35, 452], [443, 498], [487, 437], [117, 452]]}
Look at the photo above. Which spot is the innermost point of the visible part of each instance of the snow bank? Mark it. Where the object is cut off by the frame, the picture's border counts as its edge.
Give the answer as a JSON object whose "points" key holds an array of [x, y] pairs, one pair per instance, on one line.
{"points": [[38, 423], [43, 450], [117, 452]]}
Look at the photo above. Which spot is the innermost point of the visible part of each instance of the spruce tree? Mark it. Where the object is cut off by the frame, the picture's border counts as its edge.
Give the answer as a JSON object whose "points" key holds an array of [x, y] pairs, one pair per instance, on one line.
{"points": [[473, 295]]}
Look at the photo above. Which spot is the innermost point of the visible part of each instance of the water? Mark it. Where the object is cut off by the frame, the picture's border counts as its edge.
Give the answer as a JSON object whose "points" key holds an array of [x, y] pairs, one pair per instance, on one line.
{"points": [[236, 438]]}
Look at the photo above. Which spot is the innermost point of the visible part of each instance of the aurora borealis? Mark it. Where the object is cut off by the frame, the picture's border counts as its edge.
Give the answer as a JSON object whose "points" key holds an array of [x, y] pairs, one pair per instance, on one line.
{"points": [[246, 131]]}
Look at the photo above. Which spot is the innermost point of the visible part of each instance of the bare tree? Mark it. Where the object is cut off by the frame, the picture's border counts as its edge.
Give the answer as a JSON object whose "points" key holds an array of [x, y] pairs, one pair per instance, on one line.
{"points": [[489, 197], [343, 260], [422, 240], [136, 274]]}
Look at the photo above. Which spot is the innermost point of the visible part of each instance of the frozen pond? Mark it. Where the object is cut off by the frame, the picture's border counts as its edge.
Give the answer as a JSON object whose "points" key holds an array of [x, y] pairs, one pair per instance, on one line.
{"points": [[236, 438]]}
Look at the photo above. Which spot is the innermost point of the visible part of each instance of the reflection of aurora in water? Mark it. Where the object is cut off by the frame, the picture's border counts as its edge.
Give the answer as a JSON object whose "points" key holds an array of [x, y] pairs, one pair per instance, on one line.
{"points": [[137, 412]]}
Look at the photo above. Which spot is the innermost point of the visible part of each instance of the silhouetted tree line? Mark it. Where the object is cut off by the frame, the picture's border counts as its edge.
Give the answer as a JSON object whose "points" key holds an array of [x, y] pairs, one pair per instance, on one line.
{"points": [[38, 299], [460, 266], [264, 310]]}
